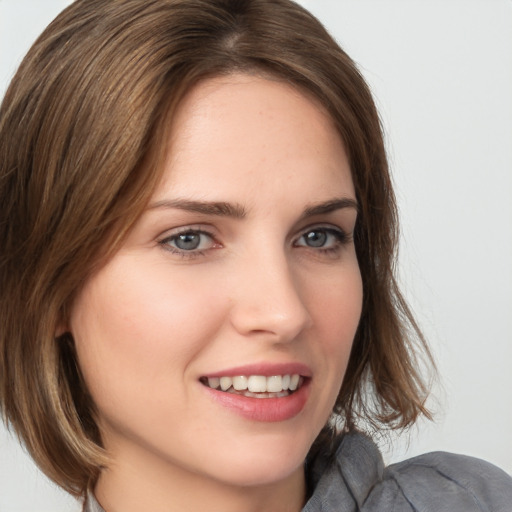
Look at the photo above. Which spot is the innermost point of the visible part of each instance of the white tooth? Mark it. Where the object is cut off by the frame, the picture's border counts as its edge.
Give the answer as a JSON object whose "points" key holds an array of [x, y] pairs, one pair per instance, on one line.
{"points": [[240, 383], [286, 382], [225, 383], [257, 384], [274, 384], [213, 382], [294, 382]]}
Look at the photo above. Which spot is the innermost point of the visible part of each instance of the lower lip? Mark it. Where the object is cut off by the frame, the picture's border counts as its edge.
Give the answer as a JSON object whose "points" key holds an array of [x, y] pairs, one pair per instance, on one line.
{"points": [[263, 409]]}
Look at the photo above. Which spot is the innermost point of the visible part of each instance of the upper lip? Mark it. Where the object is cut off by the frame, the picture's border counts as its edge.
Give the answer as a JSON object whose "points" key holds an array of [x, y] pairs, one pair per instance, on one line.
{"points": [[264, 369]]}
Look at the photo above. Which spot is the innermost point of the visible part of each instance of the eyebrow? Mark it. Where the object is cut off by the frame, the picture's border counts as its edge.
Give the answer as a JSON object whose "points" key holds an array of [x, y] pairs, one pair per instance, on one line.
{"points": [[237, 211], [330, 206], [218, 208]]}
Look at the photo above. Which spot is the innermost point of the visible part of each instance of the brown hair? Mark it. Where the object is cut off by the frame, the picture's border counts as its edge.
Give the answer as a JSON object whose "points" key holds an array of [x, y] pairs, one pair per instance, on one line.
{"points": [[82, 131]]}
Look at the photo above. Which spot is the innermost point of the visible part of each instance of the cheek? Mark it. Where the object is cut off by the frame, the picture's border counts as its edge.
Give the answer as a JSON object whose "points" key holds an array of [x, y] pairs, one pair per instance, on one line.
{"points": [[335, 303], [336, 307], [337, 310], [138, 331]]}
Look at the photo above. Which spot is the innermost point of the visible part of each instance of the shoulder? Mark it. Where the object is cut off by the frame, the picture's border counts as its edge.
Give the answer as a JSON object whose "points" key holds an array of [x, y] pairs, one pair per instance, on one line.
{"points": [[445, 481], [357, 480]]}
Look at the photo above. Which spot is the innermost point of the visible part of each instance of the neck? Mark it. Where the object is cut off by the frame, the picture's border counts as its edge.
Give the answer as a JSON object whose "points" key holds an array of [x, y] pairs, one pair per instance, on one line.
{"points": [[133, 484]]}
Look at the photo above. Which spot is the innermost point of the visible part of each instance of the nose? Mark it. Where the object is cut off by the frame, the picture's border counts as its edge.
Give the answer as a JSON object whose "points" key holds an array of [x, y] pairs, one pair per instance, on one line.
{"points": [[268, 299]]}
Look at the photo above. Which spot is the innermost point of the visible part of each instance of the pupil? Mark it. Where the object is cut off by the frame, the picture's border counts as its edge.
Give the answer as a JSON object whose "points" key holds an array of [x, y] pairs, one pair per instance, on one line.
{"points": [[188, 241], [316, 238]]}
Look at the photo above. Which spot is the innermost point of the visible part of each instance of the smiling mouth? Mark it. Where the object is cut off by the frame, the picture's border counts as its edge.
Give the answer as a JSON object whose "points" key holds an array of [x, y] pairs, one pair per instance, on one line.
{"points": [[256, 386]]}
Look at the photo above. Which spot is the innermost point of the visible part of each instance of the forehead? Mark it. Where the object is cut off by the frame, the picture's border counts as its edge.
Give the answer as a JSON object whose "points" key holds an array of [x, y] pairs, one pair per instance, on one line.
{"points": [[246, 129]]}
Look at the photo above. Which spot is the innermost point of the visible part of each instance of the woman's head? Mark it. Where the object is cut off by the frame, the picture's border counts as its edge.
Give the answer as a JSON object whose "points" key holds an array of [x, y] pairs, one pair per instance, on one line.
{"points": [[239, 275], [84, 133]]}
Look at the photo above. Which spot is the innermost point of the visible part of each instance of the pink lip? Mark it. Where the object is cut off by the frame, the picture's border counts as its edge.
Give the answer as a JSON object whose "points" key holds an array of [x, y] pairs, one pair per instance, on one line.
{"points": [[265, 369], [263, 409]]}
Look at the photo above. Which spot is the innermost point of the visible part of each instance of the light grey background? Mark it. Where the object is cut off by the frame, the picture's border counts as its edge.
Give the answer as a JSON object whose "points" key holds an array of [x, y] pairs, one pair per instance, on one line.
{"points": [[442, 75]]}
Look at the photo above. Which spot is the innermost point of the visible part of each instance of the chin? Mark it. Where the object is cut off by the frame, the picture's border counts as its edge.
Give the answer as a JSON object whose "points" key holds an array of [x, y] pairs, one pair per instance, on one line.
{"points": [[262, 461], [260, 473]]}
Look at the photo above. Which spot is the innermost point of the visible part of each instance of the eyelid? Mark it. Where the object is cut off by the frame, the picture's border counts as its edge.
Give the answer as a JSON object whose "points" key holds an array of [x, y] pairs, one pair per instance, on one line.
{"points": [[333, 228], [185, 228]]}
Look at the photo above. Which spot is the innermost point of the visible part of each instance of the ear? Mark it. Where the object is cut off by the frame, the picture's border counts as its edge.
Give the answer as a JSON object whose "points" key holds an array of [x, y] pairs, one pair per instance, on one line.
{"points": [[62, 325], [60, 330]]}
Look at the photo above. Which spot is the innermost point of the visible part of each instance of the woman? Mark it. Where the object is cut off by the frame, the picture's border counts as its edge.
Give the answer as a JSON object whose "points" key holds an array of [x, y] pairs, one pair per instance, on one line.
{"points": [[199, 232]]}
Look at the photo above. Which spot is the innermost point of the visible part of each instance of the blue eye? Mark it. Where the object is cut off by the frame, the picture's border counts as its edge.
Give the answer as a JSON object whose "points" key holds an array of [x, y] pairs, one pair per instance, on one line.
{"points": [[315, 238], [190, 241], [322, 238], [187, 241]]}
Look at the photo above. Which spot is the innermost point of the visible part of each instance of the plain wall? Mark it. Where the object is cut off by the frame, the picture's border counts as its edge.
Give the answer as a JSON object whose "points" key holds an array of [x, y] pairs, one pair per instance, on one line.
{"points": [[442, 76]]}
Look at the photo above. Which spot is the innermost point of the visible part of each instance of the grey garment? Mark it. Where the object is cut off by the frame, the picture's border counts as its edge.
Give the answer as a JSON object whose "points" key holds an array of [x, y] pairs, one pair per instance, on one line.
{"points": [[355, 480]]}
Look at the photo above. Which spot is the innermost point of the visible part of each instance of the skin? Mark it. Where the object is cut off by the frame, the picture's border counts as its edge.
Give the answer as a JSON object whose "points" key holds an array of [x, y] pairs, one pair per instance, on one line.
{"points": [[156, 318]]}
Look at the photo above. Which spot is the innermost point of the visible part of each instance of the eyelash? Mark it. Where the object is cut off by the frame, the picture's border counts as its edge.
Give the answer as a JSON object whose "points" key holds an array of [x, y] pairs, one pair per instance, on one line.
{"points": [[341, 238], [194, 253]]}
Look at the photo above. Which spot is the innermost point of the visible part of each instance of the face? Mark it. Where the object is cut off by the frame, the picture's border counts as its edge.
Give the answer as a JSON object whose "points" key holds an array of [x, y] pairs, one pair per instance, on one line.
{"points": [[215, 341]]}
